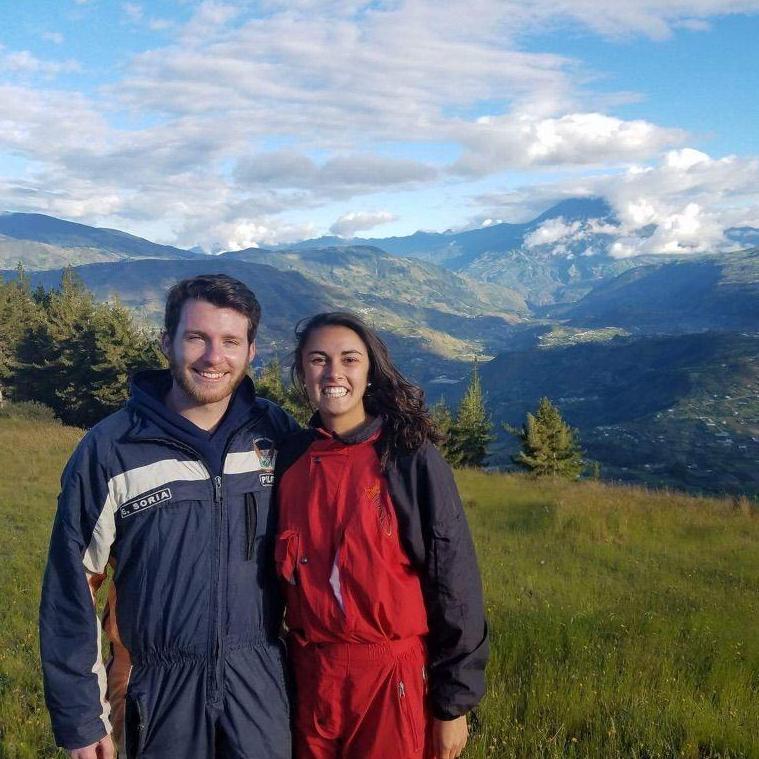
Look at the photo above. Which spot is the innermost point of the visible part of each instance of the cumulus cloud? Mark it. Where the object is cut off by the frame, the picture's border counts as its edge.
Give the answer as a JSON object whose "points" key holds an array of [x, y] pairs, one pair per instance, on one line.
{"points": [[252, 233], [682, 205], [520, 140], [551, 231], [23, 62], [690, 199], [350, 223], [351, 88]]}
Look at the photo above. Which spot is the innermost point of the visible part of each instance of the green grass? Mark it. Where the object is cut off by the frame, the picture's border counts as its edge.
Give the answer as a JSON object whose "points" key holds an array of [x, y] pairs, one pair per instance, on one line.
{"points": [[624, 623], [32, 456]]}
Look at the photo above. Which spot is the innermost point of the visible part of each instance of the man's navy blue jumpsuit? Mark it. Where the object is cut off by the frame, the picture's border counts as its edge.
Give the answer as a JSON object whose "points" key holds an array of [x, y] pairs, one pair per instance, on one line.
{"points": [[194, 610]]}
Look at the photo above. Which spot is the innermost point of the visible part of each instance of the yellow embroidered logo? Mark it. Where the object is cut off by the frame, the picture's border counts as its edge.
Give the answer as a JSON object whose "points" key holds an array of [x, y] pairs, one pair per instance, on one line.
{"points": [[374, 495]]}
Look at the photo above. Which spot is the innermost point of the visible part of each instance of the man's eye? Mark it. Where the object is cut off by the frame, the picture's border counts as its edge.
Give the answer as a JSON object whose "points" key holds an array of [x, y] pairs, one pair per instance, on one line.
{"points": [[231, 343]]}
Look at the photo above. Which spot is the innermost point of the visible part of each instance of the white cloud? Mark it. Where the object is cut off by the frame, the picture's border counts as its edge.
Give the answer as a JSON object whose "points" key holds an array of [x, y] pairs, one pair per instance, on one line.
{"points": [[209, 19], [690, 229], [23, 62], [351, 88], [55, 37], [160, 24], [519, 140], [250, 233], [133, 11], [682, 205], [551, 231], [336, 177], [651, 18], [350, 223]]}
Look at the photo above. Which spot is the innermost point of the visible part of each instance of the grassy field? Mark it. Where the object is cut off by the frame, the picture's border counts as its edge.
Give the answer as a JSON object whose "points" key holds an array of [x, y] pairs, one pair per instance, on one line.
{"points": [[624, 623]]}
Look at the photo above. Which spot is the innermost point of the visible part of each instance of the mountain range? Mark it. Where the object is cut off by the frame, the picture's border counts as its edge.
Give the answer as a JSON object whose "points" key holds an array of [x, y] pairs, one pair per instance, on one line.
{"points": [[654, 359]]}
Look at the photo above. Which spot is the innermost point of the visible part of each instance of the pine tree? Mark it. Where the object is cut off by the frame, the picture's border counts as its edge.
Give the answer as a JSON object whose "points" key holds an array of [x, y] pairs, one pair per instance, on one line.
{"points": [[270, 385], [77, 358], [471, 433], [443, 419], [120, 349], [54, 354], [18, 312], [269, 382], [549, 445]]}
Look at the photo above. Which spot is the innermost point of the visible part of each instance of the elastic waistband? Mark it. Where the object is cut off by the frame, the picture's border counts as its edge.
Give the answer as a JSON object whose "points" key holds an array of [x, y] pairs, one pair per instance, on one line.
{"points": [[170, 656], [361, 652], [166, 657]]}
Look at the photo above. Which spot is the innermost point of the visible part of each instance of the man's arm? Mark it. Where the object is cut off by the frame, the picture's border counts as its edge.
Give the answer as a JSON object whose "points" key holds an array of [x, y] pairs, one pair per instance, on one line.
{"points": [[73, 672]]}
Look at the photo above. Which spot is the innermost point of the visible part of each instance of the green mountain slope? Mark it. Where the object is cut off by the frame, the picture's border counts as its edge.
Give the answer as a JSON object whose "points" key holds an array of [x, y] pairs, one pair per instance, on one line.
{"points": [[709, 292], [426, 341], [669, 409], [365, 270], [44, 242]]}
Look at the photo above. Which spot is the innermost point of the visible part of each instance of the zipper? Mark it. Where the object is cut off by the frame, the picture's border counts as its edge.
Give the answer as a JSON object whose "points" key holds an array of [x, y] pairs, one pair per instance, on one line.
{"points": [[406, 707], [214, 670], [251, 525]]}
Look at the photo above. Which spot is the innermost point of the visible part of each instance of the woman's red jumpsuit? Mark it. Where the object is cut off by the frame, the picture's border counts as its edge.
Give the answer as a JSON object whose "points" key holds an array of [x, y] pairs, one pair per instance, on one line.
{"points": [[355, 610]]}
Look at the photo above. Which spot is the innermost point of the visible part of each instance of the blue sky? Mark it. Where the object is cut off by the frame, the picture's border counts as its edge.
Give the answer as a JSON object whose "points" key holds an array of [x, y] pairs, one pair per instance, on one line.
{"points": [[230, 124]]}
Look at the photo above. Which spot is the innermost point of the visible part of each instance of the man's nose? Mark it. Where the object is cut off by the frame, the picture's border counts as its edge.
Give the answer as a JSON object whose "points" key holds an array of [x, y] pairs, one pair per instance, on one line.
{"points": [[213, 354]]}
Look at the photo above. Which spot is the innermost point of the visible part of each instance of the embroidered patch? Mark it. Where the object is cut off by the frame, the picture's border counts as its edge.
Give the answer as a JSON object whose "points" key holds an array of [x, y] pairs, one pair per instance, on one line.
{"points": [[145, 502], [266, 479], [374, 494], [263, 449]]}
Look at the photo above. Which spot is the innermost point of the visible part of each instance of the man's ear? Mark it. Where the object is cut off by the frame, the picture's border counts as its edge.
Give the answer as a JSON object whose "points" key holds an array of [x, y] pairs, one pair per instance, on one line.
{"points": [[165, 344], [252, 352]]}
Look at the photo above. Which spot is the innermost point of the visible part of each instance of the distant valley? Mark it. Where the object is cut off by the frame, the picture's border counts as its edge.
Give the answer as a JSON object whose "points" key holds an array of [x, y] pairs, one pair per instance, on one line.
{"points": [[653, 358]]}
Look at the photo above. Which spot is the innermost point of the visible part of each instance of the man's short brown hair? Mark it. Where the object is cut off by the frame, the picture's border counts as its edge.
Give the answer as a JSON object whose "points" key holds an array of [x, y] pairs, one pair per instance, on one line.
{"points": [[219, 290]]}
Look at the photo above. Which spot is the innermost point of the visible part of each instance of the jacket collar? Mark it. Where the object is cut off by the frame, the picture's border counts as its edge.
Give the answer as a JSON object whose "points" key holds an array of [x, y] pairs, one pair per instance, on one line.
{"points": [[361, 435], [147, 408]]}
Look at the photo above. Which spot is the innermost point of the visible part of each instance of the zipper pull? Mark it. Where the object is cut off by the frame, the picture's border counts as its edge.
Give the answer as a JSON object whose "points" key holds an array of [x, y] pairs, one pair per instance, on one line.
{"points": [[401, 689], [217, 489]]}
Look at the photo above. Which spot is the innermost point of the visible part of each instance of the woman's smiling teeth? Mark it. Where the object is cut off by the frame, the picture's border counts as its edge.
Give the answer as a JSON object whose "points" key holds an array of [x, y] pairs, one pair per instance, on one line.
{"points": [[335, 392]]}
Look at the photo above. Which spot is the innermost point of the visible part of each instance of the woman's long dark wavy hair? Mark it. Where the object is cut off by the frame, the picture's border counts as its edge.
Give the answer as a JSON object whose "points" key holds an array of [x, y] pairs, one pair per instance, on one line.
{"points": [[407, 421]]}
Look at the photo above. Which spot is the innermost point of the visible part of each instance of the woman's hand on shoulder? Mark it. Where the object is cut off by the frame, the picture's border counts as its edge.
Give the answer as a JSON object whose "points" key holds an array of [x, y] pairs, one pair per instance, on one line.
{"points": [[449, 737]]}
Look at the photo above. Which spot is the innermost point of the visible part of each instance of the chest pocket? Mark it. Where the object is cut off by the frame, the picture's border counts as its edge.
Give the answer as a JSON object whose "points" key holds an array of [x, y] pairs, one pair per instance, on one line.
{"points": [[258, 520]]}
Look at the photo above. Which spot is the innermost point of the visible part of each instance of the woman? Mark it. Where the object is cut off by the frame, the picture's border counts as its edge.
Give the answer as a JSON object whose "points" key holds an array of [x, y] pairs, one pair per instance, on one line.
{"points": [[384, 604]]}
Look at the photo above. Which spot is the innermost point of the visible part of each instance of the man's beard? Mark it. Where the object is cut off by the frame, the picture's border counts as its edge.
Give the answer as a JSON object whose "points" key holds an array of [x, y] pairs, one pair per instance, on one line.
{"points": [[199, 394]]}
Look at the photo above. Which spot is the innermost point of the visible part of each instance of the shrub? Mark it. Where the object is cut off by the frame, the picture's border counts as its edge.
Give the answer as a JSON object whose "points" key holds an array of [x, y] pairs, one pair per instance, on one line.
{"points": [[29, 410]]}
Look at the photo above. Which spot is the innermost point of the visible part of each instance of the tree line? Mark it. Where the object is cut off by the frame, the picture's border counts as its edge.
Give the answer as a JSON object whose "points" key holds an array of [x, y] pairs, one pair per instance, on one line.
{"points": [[63, 349]]}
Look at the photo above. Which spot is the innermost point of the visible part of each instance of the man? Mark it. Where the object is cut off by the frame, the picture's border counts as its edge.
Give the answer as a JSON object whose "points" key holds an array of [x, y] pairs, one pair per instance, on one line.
{"points": [[173, 493]]}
